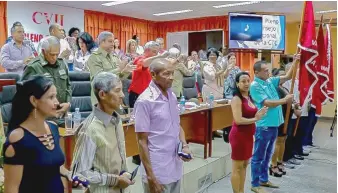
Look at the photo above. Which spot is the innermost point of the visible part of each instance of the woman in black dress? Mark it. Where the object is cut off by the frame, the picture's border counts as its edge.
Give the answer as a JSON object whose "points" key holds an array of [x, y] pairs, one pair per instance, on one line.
{"points": [[33, 159]]}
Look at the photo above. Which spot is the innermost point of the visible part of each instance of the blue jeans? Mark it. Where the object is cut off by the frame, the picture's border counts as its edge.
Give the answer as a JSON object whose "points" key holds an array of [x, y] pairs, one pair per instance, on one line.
{"points": [[265, 138], [308, 140]]}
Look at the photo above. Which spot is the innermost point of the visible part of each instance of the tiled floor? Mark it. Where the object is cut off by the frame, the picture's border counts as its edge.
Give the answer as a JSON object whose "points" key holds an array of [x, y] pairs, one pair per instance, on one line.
{"points": [[317, 174]]}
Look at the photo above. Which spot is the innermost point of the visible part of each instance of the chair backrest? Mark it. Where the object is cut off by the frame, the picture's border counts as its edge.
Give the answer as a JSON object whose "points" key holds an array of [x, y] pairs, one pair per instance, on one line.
{"points": [[79, 76], [6, 102], [10, 75], [189, 88], [81, 90], [5, 82]]}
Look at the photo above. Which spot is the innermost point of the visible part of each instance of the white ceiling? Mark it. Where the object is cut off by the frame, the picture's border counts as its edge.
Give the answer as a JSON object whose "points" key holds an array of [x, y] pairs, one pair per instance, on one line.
{"points": [[146, 9]]}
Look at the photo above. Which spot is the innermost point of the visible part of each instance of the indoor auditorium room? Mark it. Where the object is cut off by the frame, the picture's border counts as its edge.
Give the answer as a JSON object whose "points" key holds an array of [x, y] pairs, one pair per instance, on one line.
{"points": [[168, 96]]}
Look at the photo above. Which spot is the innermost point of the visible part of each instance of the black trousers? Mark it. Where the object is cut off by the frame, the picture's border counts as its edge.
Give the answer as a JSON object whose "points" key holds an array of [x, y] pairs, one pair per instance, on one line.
{"points": [[132, 98], [290, 141]]}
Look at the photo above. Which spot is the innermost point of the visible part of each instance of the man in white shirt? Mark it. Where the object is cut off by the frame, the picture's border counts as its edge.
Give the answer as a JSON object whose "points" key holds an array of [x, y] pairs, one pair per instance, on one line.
{"points": [[65, 50]]}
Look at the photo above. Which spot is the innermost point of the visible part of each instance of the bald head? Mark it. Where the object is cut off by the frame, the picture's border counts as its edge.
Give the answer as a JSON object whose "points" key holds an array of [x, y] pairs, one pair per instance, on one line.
{"points": [[162, 72], [56, 30], [159, 65]]}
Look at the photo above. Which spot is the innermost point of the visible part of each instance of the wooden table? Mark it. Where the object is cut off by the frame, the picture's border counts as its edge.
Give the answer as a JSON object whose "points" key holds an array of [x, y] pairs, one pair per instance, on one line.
{"points": [[198, 125], [220, 118]]}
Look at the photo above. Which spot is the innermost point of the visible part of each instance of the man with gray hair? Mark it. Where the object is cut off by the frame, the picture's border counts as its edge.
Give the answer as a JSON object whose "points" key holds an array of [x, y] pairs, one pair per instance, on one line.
{"points": [[141, 76], [49, 65], [16, 54], [103, 60], [99, 154], [160, 41], [158, 131]]}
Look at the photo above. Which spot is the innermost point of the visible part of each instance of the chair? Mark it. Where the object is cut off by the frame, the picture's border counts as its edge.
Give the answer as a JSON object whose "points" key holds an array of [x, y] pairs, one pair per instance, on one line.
{"points": [[81, 90], [79, 76], [189, 88], [10, 75], [6, 103]]}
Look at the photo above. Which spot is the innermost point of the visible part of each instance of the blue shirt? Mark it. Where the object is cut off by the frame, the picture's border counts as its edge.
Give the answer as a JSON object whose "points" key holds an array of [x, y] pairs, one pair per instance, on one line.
{"points": [[260, 91]]}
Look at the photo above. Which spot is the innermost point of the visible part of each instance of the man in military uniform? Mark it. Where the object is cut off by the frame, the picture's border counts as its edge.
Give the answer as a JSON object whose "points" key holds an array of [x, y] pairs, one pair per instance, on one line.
{"points": [[49, 65], [103, 60]]}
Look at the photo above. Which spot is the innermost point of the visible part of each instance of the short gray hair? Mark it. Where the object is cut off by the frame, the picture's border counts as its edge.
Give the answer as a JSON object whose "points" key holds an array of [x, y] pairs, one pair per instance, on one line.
{"points": [[14, 27], [49, 41], [159, 39], [103, 36], [104, 81], [151, 44], [158, 65]]}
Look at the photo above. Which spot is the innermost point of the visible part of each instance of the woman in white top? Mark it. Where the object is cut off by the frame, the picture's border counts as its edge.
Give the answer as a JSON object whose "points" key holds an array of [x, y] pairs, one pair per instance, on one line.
{"points": [[117, 50], [213, 76], [86, 46], [131, 53]]}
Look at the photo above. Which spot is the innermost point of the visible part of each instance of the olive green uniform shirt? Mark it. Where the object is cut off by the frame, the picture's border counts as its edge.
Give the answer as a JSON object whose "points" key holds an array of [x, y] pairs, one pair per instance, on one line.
{"points": [[102, 61], [57, 72]]}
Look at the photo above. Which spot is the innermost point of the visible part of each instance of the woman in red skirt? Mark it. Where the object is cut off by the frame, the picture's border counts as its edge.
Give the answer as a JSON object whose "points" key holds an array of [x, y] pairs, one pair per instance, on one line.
{"points": [[245, 115]]}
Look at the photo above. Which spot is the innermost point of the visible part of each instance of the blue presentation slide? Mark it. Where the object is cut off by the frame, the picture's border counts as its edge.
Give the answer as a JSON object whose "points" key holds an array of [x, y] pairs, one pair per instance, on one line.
{"points": [[246, 28]]}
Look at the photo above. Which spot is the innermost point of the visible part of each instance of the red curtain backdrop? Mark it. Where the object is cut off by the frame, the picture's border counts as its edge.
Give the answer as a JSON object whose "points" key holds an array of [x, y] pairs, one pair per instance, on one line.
{"points": [[3, 25], [122, 27]]}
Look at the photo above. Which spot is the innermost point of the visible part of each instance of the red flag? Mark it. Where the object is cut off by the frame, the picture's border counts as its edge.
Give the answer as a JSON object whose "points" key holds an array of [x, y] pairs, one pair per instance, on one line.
{"points": [[308, 46], [322, 71], [329, 54]]}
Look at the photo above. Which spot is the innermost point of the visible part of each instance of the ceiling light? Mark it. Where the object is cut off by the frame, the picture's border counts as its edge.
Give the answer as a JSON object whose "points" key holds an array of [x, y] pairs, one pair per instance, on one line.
{"points": [[328, 11], [172, 12], [116, 3], [237, 4]]}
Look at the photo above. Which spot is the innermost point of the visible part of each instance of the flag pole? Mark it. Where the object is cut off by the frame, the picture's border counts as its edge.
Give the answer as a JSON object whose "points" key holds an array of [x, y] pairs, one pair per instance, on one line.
{"points": [[294, 72]]}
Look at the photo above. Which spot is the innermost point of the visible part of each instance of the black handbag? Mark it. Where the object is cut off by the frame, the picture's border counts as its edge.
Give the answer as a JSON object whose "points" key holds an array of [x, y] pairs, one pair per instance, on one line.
{"points": [[226, 133]]}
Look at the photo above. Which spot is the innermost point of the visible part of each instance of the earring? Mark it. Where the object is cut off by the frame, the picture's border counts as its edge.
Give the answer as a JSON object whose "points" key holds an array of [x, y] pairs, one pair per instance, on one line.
{"points": [[35, 113]]}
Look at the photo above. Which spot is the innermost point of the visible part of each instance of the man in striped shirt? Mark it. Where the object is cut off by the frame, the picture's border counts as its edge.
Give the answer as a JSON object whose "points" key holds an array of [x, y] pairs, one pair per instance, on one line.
{"points": [[99, 153]]}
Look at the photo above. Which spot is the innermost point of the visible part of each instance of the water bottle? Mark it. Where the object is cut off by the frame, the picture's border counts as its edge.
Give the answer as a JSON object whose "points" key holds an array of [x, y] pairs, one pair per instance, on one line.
{"points": [[182, 105], [68, 123], [211, 100], [77, 118]]}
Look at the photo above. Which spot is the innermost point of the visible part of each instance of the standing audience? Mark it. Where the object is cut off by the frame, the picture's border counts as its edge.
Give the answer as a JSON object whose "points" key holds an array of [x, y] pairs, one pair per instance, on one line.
{"points": [[139, 48], [33, 159], [103, 60], [16, 54], [86, 46], [117, 50], [49, 65], [158, 130], [213, 76], [180, 72], [230, 73], [160, 41], [263, 91], [100, 152], [245, 115], [131, 53]]}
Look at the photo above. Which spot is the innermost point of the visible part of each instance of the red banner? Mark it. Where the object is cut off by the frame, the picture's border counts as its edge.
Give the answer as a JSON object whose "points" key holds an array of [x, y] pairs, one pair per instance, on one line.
{"points": [[308, 46]]}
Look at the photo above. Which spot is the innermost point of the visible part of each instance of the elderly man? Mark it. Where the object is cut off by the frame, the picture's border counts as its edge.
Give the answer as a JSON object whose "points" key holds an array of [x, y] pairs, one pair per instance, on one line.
{"points": [[56, 30], [49, 65], [100, 154], [103, 60], [158, 130], [160, 41], [141, 76], [263, 91], [16, 54]]}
